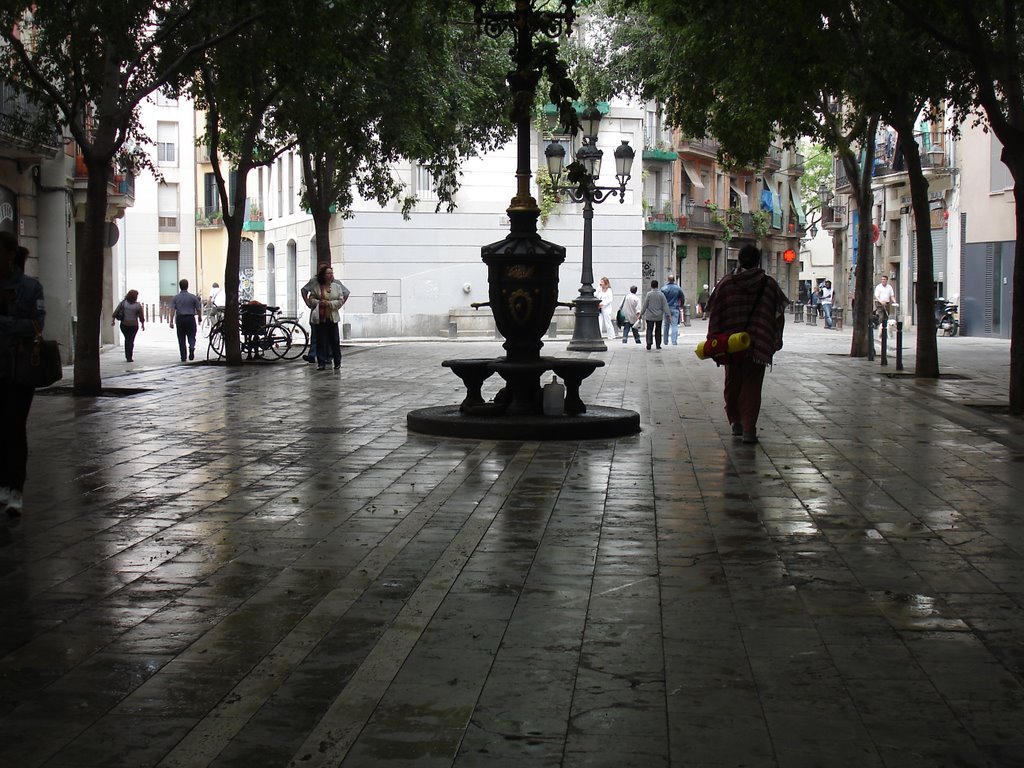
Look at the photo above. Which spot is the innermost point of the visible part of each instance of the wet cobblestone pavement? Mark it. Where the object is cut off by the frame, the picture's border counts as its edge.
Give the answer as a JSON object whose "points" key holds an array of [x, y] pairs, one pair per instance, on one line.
{"points": [[262, 567]]}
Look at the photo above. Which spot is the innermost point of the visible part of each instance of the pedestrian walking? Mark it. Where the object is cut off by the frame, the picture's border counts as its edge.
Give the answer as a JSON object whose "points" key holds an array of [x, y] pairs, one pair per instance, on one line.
{"points": [[325, 301], [676, 299], [131, 314], [885, 298], [22, 314], [607, 307], [826, 302], [751, 301], [654, 313], [631, 315], [187, 312], [702, 302]]}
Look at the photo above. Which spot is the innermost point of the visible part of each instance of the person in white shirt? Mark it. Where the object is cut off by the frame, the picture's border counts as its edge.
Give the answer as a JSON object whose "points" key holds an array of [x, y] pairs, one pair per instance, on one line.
{"points": [[885, 296], [826, 302]]}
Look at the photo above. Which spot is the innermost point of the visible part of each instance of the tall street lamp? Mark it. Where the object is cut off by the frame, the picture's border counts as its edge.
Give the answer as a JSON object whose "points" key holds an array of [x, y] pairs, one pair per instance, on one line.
{"points": [[581, 187]]}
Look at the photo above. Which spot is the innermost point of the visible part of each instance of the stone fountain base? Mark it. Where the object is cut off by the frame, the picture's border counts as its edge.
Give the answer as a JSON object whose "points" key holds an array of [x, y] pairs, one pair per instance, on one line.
{"points": [[516, 412]]}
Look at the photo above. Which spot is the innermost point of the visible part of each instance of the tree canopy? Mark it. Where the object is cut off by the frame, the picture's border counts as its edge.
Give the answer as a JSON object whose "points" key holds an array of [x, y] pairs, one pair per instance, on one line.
{"points": [[88, 66]]}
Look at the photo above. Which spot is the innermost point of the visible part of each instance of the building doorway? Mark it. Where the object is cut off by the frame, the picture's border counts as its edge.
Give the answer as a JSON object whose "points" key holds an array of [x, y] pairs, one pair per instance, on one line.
{"points": [[168, 280]]}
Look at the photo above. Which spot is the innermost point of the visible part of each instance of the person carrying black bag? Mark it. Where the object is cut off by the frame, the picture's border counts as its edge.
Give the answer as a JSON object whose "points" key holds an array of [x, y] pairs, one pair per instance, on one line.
{"points": [[22, 312]]}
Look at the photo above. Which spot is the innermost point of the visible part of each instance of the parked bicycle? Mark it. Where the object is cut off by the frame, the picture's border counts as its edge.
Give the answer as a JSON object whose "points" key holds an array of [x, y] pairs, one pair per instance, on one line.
{"points": [[263, 335]]}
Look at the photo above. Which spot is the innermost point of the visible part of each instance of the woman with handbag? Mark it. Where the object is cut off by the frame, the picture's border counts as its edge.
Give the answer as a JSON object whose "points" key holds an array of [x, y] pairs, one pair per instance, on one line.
{"points": [[132, 316], [22, 313], [324, 301]]}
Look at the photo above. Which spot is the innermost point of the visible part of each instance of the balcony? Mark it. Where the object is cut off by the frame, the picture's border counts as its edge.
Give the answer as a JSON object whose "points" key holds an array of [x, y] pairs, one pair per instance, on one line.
{"points": [[773, 160], [120, 190], [660, 217], [659, 155], [253, 221], [209, 218], [20, 135], [931, 146], [706, 148], [833, 217]]}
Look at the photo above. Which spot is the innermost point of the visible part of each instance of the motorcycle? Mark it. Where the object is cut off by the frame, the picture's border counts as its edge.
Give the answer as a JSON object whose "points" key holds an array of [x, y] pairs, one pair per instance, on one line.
{"points": [[947, 317]]}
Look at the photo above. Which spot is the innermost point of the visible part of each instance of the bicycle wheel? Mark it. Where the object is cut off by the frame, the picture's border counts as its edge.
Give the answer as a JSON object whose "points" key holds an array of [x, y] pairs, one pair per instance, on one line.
{"points": [[216, 342], [296, 336]]}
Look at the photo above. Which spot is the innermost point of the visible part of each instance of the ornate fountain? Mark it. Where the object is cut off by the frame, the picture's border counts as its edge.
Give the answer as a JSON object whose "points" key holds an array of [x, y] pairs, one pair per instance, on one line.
{"points": [[522, 274]]}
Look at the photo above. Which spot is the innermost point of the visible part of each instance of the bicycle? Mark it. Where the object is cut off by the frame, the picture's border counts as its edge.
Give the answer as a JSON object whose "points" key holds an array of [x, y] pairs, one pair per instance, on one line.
{"points": [[282, 337]]}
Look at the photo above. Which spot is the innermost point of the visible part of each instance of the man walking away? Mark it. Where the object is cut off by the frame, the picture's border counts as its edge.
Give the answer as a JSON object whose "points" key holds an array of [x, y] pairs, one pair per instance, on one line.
{"points": [[674, 296], [187, 312], [747, 300], [654, 311]]}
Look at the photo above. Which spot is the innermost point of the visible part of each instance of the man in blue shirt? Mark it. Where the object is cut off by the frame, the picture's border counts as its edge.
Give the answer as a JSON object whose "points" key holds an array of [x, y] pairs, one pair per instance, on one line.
{"points": [[187, 312], [674, 295]]}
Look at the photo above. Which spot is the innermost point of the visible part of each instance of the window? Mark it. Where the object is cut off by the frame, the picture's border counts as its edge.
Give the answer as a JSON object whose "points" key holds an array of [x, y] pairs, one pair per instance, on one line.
{"points": [[167, 207], [1000, 179], [280, 187], [166, 143], [291, 182], [423, 183], [163, 99], [211, 197]]}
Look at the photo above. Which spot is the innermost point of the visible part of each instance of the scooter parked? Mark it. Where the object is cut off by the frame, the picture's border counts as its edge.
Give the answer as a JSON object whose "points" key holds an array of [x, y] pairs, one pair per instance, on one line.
{"points": [[947, 317]]}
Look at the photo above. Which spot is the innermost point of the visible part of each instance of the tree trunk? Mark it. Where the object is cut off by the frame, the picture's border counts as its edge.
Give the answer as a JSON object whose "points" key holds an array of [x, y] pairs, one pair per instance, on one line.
{"points": [[322, 227], [234, 218], [860, 180], [89, 278], [232, 264], [927, 347], [1015, 163]]}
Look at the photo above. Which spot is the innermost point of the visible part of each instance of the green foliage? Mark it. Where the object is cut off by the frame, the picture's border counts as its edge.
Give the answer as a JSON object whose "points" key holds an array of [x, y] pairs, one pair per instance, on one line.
{"points": [[762, 222], [423, 87], [729, 219], [549, 199], [817, 170]]}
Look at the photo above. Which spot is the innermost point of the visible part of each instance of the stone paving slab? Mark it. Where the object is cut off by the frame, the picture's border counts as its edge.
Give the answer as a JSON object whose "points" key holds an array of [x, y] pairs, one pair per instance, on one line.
{"points": [[261, 566]]}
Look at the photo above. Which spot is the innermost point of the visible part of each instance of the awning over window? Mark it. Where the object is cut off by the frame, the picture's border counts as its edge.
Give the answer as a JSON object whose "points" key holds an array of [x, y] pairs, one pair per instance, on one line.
{"points": [[744, 203], [694, 176], [798, 206]]}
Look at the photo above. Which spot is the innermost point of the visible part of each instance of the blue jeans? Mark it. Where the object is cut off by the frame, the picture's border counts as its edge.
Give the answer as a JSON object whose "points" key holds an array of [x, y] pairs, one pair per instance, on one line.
{"points": [[311, 356], [827, 309], [672, 325]]}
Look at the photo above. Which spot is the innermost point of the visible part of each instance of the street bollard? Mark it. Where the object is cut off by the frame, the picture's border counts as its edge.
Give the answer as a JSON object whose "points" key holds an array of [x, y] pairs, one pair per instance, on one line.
{"points": [[899, 345], [884, 340], [686, 315], [812, 315]]}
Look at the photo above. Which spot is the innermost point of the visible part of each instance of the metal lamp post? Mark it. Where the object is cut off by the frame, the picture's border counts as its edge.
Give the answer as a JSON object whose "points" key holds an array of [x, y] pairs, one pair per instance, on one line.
{"points": [[586, 335]]}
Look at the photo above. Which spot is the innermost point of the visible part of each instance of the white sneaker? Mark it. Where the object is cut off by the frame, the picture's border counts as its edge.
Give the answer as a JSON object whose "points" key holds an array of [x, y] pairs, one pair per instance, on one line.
{"points": [[14, 503]]}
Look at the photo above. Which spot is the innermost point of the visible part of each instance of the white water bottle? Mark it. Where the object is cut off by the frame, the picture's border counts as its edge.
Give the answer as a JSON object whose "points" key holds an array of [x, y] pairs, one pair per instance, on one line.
{"points": [[554, 398]]}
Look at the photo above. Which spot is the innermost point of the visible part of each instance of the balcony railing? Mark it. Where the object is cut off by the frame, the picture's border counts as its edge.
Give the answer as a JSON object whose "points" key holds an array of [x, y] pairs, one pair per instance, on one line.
{"points": [[702, 147], [209, 218], [19, 123]]}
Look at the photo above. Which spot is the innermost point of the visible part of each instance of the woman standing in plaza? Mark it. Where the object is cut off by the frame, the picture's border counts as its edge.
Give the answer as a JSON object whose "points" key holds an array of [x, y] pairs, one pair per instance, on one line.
{"points": [[132, 316], [325, 300], [607, 307], [22, 312]]}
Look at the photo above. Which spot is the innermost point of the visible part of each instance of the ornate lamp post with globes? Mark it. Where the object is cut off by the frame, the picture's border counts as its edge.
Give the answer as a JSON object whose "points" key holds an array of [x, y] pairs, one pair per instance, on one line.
{"points": [[582, 188]]}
